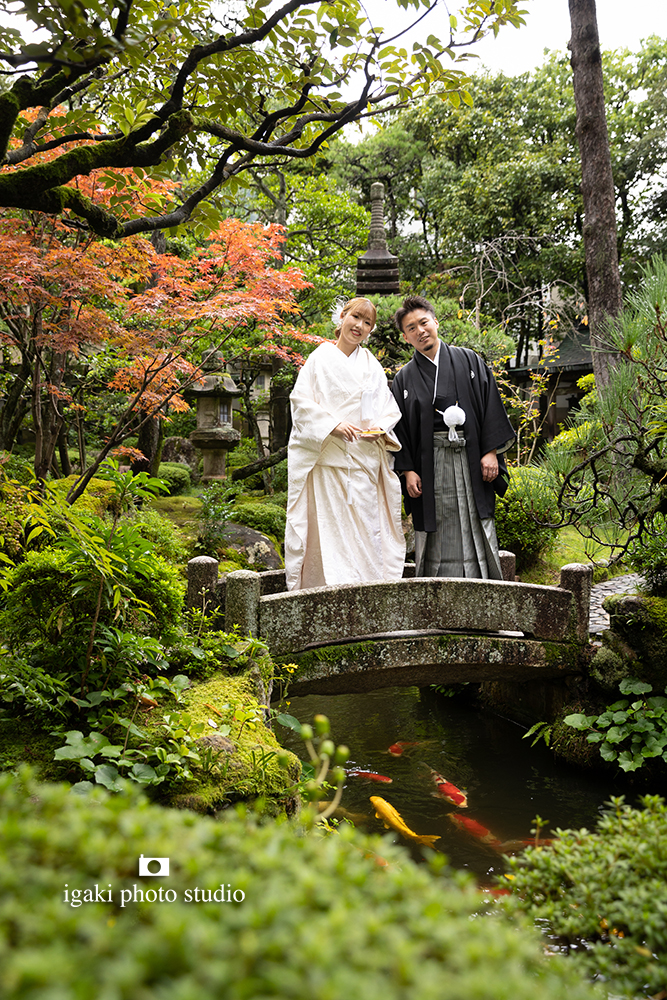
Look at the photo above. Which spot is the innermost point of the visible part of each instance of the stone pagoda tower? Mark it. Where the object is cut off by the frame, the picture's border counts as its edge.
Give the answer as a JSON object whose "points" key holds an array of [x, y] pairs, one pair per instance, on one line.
{"points": [[377, 270]]}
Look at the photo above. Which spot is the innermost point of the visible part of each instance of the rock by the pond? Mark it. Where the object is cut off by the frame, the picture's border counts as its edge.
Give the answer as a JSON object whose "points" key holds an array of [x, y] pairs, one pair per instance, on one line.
{"points": [[641, 621], [258, 551], [217, 742]]}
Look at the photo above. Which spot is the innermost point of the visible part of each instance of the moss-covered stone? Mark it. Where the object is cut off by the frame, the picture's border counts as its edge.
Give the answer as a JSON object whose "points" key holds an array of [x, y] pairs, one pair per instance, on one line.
{"points": [[247, 766], [641, 622], [571, 745], [609, 667], [308, 663]]}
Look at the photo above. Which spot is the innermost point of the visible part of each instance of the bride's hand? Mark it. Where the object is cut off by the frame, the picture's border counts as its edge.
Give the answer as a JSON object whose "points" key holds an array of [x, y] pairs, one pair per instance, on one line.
{"points": [[345, 431]]}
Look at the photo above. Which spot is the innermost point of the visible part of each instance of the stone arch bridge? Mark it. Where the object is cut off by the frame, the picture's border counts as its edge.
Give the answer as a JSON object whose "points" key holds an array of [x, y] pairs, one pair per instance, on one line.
{"points": [[419, 631]]}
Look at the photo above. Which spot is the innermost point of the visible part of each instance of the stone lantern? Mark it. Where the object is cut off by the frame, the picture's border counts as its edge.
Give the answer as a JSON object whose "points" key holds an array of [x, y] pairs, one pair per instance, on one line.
{"points": [[215, 435], [377, 269]]}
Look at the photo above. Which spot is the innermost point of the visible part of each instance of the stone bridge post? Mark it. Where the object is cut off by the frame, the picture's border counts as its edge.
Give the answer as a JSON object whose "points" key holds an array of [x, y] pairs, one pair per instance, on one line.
{"points": [[242, 602], [202, 581], [578, 578]]}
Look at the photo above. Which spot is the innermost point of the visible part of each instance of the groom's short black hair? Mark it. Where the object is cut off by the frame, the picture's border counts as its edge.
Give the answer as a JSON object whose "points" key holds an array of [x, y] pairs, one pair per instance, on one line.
{"points": [[409, 305]]}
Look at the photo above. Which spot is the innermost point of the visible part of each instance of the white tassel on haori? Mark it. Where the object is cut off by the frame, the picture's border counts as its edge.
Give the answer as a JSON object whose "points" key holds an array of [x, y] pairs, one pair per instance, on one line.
{"points": [[454, 417]]}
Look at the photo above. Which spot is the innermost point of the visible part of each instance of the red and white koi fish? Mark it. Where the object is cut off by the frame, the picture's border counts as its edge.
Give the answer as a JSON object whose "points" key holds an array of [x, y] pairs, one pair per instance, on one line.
{"points": [[396, 749], [370, 776], [475, 829], [449, 792]]}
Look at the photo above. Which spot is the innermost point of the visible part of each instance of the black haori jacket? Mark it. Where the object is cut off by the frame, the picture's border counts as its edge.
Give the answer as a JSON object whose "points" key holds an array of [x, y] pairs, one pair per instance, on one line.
{"points": [[463, 378]]}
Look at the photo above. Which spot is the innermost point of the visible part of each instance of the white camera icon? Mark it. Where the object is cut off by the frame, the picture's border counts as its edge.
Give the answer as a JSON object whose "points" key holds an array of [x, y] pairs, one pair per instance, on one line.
{"points": [[147, 866]]}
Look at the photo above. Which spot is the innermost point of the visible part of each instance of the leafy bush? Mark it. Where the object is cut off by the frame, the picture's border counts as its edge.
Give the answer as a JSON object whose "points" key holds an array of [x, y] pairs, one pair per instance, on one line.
{"points": [[603, 895], [312, 918], [176, 475], [628, 732], [163, 590], [217, 504], [52, 598], [648, 556], [582, 438], [17, 468], [265, 517], [14, 502], [529, 497], [162, 533]]}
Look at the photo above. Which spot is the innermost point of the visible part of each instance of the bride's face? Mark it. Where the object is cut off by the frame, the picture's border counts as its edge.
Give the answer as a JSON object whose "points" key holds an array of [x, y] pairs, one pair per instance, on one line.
{"points": [[355, 327]]}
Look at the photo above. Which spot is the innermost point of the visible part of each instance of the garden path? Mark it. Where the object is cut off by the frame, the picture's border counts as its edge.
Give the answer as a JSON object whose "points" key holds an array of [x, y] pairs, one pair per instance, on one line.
{"points": [[626, 584]]}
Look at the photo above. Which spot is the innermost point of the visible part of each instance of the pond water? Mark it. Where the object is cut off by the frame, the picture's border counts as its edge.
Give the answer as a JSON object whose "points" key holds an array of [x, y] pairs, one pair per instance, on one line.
{"points": [[507, 782]]}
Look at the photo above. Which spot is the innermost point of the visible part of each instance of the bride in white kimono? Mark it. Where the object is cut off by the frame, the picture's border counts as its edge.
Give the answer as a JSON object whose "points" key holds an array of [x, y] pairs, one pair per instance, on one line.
{"points": [[344, 500]]}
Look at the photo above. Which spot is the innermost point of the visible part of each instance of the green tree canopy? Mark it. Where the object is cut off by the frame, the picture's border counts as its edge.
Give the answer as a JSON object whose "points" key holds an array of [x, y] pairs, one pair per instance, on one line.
{"points": [[490, 193], [137, 84]]}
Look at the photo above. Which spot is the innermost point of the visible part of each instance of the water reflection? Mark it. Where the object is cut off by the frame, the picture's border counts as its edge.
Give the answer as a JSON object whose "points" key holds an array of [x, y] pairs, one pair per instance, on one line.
{"points": [[507, 782]]}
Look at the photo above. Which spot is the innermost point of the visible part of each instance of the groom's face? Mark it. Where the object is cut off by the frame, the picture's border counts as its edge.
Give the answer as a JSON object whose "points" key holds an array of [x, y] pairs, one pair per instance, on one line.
{"points": [[420, 329]]}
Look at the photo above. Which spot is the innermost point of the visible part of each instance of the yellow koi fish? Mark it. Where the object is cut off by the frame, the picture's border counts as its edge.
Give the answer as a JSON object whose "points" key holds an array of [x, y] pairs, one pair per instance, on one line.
{"points": [[392, 818]]}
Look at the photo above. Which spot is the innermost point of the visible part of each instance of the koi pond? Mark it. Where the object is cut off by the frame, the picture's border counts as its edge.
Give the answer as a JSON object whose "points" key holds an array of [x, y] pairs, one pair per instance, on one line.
{"points": [[507, 782]]}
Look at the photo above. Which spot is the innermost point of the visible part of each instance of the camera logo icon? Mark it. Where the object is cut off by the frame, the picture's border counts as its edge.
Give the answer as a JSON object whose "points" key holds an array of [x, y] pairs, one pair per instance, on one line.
{"points": [[153, 866]]}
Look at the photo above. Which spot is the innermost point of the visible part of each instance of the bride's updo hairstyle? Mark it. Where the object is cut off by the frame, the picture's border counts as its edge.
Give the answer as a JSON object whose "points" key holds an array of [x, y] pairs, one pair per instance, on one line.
{"points": [[363, 305]]}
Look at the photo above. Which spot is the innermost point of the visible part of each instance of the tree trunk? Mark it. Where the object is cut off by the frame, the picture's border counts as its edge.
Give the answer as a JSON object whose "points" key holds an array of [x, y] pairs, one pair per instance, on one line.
{"points": [[253, 426], [149, 441], [263, 463], [65, 463], [15, 405], [597, 186], [47, 409]]}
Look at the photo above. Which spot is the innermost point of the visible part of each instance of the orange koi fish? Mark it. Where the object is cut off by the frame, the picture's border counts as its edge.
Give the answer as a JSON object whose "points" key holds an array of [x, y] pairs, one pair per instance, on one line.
{"points": [[474, 828], [449, 792], [371, 776], [396, 749], [392, 818]]}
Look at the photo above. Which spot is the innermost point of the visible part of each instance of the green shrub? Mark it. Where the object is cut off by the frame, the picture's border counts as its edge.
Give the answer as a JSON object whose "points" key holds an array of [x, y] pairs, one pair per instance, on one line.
{"points": [[217, 504], [265, 517], [163, 590], [314, 918], [176, 475], [17, 468], [529, 496], [279, 482], [51, 599], [165, 537], [14, 500], [603, 894], [648, 556]]}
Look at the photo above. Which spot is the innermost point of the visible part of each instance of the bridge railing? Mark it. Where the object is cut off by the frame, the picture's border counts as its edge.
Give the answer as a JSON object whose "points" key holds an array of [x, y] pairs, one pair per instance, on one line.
{"points": [[298, 620]]}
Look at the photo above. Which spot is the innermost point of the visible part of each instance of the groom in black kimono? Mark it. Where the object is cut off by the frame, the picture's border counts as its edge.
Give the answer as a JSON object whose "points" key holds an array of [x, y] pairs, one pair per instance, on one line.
{"points": [[453, 432]]}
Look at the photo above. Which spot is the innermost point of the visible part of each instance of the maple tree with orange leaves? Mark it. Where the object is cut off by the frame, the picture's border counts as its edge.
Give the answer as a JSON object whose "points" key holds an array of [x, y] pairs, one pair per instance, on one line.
{"points": [[71, 306]]}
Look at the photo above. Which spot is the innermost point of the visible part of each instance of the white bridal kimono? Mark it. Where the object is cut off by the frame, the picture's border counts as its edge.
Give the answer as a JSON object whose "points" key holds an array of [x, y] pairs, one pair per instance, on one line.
{"points": [[344, 501]]}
